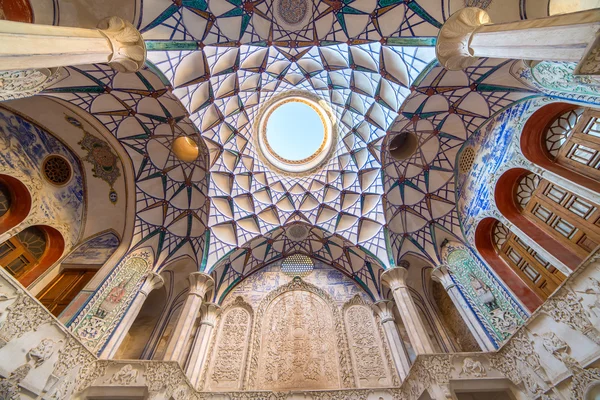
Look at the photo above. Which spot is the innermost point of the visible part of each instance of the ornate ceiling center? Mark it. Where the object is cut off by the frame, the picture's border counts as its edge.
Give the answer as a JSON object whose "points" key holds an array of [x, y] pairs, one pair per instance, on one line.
{"points": [[292, 12], [295, 133]]}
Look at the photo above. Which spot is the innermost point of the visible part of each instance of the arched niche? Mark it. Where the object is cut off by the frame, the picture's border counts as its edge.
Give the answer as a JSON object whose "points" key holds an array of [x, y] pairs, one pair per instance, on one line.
{"points": [[367, 349], [485, 247], [303, 312], [137, 338], [453, 321], [418, 280], [227, 366], [260, 294], [15, 202], [533, 145], [505, 198], [177, 284]]}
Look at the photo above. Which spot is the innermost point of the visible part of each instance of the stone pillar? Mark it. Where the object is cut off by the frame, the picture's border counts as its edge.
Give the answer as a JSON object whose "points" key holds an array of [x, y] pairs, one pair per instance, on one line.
{"points": [[441, 275], [193, 369], [395, 278], [200, 283], [151, 281], [384, 309], [469, 34], [31, 54]]}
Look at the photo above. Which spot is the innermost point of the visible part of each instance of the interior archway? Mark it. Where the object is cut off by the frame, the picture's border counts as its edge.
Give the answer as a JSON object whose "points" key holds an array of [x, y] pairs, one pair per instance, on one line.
{"points": [[505, 195], [485, 247], [533, 140], [15, 202]]}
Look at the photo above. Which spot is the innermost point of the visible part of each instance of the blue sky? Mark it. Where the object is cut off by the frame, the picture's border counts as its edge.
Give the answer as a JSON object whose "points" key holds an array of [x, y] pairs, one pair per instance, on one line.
{"points": [[294, 131]]}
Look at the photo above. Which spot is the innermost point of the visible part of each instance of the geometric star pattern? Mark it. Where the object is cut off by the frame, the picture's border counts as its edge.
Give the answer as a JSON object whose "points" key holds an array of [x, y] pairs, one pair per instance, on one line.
{"points": [[145, 117], [297, 238], [223, 89], [443, 111], [258, 22]]}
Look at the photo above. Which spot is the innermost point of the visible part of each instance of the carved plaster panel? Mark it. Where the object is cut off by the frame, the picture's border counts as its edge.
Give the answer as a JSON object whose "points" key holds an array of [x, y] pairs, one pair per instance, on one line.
{"points": [[366, 347], [298, 347], [227, 368], [299, 341]]}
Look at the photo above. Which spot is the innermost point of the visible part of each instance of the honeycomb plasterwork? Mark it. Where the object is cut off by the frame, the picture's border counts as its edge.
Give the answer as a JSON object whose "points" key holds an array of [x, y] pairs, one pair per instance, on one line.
{"points": [[224, 90]]}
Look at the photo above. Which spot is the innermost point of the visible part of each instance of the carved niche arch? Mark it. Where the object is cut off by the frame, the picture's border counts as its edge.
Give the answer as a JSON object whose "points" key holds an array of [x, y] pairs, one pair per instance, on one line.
{"points": [[369, 354], [297, 285], [226, 363]]}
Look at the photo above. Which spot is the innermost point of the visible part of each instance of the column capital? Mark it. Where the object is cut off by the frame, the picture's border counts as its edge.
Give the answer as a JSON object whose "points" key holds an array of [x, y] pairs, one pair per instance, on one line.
{"points": [[442, 276], [152, 281], [128, 46], [395, 277], [200, 283], [384, 309], [452, 48], [209, 313]]}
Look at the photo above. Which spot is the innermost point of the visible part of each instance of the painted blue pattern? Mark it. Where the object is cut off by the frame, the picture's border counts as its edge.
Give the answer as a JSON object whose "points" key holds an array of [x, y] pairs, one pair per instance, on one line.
{"points": [[23, 148], [492, 144], [95, 251]]}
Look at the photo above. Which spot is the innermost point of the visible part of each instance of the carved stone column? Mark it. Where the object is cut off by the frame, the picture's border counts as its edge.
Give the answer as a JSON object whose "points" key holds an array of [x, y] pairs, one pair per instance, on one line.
{"points": [[200, 283], [27, 47], [152, 281], [469, 34], [395, 278], [193, 369], [441, 275], [384, 309]]}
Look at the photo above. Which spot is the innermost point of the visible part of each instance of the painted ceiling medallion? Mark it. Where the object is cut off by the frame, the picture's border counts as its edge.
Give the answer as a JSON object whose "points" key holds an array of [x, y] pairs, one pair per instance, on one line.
{"points": [[273, 138], [292, 12]]}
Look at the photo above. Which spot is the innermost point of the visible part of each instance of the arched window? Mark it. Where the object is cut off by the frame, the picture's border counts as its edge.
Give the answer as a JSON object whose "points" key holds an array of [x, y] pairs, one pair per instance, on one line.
{"points": [[490, 242], [31, 252], [565, 140], [559, 221], [565, 216], [541, 276], [22, 252], [573, 140]]}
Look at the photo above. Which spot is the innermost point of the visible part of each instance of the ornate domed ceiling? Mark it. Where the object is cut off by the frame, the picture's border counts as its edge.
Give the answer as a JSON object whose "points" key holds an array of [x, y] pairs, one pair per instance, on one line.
{"points": [[222, 63], [224, 90]]}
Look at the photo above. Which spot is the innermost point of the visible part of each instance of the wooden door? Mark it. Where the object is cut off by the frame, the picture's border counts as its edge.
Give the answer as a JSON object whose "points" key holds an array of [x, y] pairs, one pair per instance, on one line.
{"points": [[63, 289]]}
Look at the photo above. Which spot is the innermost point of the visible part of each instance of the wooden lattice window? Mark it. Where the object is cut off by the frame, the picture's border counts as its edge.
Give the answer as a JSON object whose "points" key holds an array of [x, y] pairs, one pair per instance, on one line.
{"points": [[570, 219], [541, 276], [22, 252], [577, 147]]}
